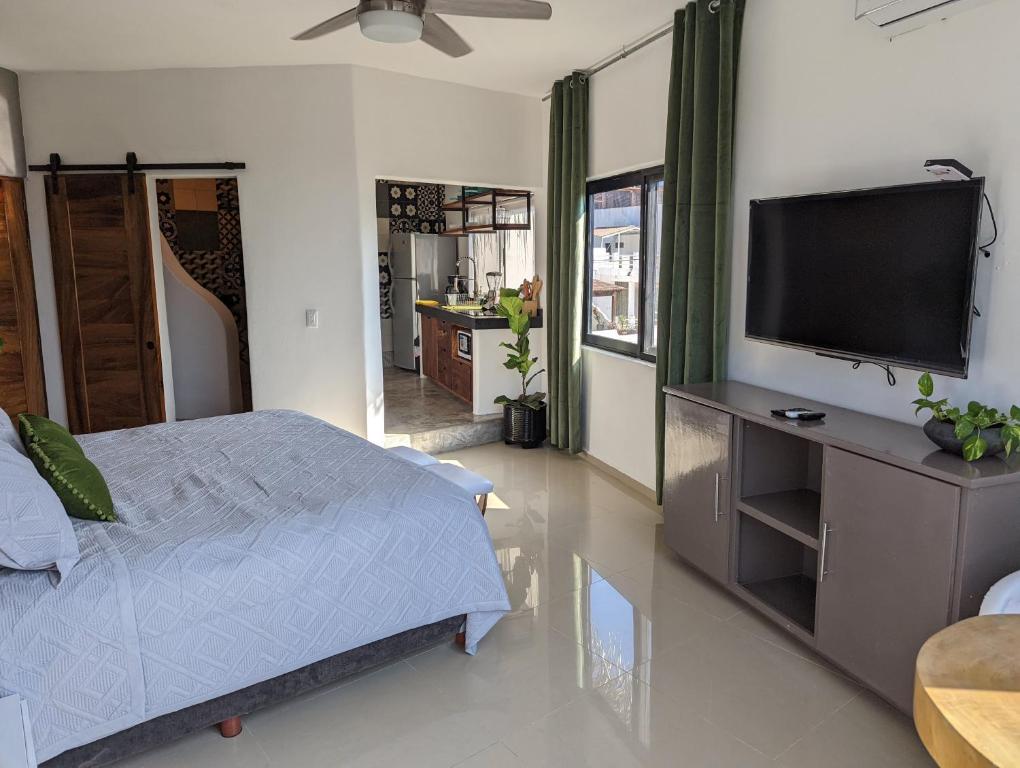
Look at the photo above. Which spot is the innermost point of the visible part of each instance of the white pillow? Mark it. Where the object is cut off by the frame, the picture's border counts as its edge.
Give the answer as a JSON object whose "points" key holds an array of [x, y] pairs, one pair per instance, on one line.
{"points": [[35, 532], [9, 434]]}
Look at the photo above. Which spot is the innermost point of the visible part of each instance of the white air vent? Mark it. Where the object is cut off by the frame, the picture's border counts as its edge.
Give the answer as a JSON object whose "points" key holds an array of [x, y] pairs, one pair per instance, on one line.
{"points": [[894, 17]]}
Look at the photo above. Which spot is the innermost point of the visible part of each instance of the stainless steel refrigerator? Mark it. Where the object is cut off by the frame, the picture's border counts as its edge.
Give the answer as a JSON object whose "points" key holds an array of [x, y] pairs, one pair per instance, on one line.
{"points": [[420, 266]]}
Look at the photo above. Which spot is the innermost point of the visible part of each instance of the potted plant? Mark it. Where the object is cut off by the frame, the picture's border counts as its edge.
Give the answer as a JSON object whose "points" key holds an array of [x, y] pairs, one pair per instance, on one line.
{"points": [[524, 415], [977, 431]]}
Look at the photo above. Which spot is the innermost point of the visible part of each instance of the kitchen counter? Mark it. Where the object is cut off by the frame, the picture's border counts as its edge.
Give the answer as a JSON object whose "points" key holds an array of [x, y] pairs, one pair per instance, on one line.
{"points": [[474, 320], [461, 352]]}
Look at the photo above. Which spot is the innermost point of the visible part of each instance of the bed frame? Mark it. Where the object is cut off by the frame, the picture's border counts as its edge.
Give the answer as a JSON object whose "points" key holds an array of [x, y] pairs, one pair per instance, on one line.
{"points": [[226, 711]]}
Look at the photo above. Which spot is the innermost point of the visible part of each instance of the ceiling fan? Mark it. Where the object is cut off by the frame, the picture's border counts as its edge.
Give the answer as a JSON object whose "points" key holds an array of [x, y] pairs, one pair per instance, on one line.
{"points": [[404, 21]]}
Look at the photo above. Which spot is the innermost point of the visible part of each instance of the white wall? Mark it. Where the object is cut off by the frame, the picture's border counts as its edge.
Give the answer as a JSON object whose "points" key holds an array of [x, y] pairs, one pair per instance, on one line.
{"points": [[314, 139], [425, 130], [627, 131], [836, 106], [12, 147], [825, 103], [293, 127]]}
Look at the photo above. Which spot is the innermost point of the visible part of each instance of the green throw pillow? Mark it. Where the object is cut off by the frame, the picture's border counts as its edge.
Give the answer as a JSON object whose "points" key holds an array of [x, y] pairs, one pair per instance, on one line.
{"points": [[39, 429], [57, 456]]}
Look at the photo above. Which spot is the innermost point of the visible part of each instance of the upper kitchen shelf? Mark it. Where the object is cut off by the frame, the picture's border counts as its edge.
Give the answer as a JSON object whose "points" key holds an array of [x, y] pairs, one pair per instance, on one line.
{"points": [[474, 202]]}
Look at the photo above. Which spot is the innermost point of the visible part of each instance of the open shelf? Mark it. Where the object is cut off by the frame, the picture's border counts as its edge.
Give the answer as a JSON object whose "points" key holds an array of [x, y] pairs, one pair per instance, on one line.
{"points": [[792, 596], [777, 569], [794, 513], [473, 202]]}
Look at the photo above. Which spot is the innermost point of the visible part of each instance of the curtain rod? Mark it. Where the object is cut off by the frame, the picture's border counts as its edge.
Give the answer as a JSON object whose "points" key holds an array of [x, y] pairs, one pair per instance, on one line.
{"points": [[627, 50]]}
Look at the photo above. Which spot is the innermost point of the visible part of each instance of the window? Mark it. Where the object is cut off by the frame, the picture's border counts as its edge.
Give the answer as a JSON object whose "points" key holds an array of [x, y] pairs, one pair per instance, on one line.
{"points": [[622, 263]]}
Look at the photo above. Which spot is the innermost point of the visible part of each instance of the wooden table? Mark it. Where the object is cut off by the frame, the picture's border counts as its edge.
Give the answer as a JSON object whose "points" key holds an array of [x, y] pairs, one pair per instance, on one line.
{"points": [[967, 693]]}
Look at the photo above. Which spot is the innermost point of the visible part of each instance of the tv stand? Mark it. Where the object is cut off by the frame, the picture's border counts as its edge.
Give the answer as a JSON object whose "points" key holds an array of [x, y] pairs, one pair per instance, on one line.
{"points": [[854, 533]]}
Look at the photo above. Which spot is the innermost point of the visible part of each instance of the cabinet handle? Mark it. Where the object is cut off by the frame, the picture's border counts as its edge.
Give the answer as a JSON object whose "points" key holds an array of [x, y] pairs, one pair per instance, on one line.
{"points": [[824, 550], [718, 508]]}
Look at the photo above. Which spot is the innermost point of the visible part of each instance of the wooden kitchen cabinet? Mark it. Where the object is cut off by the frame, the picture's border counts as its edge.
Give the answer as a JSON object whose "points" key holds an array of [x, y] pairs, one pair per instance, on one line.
{"points": [[439, 359], [429, 348], [696, 500]]}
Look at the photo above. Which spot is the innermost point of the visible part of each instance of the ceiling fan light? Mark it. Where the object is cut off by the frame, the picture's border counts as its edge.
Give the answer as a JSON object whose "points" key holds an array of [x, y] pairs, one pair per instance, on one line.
{"points": [[388, 26]]}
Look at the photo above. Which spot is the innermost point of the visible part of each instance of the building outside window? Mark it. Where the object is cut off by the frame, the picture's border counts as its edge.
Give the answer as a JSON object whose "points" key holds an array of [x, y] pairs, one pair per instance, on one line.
{"points": [[622, 262]]}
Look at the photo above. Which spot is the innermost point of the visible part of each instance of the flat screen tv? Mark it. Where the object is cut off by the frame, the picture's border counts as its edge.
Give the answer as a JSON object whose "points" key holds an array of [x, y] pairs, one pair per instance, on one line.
{"points": [[879, 275]]}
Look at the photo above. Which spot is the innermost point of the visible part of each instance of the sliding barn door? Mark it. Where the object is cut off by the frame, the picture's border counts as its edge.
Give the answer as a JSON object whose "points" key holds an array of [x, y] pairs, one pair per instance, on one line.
{"points": [[22, 386], [106, 301]]}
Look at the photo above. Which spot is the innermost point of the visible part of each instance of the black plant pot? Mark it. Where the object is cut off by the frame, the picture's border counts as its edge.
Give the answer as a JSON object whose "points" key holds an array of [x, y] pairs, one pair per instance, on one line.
{"points": [[523, 426], [941, 433]]}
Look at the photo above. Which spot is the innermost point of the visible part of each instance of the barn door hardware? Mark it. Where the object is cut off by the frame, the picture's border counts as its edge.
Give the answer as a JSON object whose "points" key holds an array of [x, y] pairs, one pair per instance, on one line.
{"points": [[130, 166]]}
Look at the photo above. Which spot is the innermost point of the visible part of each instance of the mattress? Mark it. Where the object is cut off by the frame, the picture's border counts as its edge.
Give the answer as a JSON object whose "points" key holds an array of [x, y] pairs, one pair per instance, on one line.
{"points": [[248, 546]]}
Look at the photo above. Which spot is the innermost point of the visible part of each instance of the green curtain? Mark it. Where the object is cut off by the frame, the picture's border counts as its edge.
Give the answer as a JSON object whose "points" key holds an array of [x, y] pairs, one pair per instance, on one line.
{"points": [[568, 172], [693, 303]]}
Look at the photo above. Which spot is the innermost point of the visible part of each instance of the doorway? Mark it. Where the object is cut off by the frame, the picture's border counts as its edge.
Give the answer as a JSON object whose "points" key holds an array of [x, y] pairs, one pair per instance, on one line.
{"points": [[206, 302], [436, 364]]}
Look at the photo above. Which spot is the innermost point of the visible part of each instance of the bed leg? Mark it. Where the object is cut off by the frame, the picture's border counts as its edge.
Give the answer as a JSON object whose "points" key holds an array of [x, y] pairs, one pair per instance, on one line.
{"points": [[483, 503], [460, 639], [230, 728]]}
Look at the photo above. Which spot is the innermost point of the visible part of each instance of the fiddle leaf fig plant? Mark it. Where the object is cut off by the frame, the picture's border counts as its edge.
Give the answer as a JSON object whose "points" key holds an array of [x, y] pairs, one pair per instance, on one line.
{"points": [[519, 358], [971, 422]]}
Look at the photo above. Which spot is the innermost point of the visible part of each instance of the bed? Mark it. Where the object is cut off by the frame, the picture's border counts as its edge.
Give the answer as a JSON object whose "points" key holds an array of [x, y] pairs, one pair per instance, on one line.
{"points": [[255, 556]]}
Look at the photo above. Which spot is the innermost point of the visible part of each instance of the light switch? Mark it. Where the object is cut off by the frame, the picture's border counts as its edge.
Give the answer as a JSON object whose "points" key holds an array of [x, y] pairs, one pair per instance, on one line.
{"points": [[311, 318]]}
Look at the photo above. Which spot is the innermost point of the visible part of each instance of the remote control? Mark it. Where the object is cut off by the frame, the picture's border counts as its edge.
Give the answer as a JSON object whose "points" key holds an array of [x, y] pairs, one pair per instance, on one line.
{"points": [[799, 414]]}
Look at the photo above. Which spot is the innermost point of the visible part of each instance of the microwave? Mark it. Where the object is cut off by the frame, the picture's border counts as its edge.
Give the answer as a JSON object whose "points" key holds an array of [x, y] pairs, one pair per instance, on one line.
{"points": [[464, 344]]}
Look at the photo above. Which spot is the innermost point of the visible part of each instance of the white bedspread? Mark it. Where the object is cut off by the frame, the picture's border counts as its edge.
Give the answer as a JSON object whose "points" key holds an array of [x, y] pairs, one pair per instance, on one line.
{"points": [[248, 546]]}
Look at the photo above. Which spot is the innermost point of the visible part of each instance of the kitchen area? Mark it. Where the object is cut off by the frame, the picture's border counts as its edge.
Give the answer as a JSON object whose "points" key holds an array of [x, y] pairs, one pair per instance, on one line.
{"points": [[445, 252]]}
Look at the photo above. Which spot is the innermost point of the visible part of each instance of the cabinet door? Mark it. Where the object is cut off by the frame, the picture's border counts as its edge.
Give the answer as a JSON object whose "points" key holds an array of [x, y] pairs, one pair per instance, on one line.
{"points": [[885, 568], [460, 377], [443, 353], [429, 348], [696, 490]]}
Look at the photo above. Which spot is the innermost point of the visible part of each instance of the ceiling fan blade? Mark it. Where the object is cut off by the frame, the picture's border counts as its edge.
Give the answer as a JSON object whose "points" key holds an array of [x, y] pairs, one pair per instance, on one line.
{"points": [[442, 36], [495, 9], [345, 19]]}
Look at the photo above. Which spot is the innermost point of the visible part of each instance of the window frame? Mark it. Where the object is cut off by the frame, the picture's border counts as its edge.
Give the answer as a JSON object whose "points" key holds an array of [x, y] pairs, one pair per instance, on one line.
{"points": [[644, 178]]}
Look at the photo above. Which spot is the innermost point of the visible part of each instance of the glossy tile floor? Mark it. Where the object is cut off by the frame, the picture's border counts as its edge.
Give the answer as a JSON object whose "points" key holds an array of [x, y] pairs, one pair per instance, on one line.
{"points": [[615, 655]]}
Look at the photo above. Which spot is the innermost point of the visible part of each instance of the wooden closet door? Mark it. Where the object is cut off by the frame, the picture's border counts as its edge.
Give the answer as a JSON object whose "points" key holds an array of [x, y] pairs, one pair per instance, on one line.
{"points": [[106, 301], [22, 385]]}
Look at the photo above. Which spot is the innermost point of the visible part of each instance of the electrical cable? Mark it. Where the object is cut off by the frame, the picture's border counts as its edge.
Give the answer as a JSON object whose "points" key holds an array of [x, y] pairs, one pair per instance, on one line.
{"points": [[889, 375], [995, 230]]}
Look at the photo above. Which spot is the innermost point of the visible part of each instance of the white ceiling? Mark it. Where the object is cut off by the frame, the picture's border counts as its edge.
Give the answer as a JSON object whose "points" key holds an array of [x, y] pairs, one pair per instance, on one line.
{"points": [[510, 55]]}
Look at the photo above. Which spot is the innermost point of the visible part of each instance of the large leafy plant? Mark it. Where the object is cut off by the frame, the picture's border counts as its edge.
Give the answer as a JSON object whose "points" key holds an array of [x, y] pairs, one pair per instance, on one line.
{"points": [[519, 358], [971, 422]]}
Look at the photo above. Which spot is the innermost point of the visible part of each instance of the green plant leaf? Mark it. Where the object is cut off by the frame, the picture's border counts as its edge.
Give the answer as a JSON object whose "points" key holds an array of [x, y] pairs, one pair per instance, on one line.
{"points": [[964, 428], [974, 447], [974, 407], [925, 385], [1014, 413], [502, 400]]}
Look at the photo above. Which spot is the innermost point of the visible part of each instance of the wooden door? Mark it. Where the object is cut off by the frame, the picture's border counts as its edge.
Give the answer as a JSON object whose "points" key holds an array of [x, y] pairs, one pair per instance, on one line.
{"points": [[22, 384], [106, 301], [696, 492], [886, 568]]}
